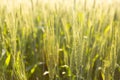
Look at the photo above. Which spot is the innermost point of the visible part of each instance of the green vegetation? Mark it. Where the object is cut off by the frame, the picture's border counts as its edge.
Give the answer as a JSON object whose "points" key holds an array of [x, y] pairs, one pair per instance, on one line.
{"points": [[59, 41]]}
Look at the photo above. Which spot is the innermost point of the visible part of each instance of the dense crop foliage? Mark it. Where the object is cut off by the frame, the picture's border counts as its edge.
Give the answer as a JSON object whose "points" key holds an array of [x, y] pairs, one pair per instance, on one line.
{"points": [[62, 40]]}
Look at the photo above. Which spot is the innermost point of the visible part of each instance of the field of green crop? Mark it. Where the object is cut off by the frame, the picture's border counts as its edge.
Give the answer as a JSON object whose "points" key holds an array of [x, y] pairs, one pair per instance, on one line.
{"points": [[59, 40]]}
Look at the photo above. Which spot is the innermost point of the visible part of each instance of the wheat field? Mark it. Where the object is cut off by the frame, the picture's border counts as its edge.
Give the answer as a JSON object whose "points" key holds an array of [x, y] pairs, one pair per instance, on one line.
{"points": [[59, 40]]}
